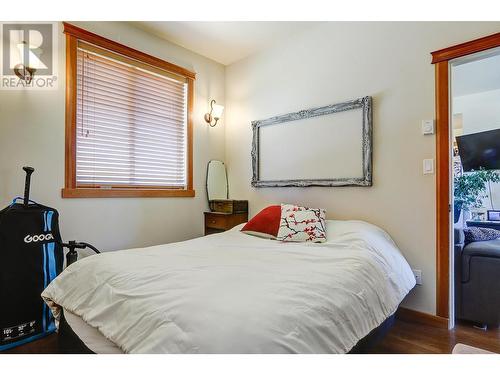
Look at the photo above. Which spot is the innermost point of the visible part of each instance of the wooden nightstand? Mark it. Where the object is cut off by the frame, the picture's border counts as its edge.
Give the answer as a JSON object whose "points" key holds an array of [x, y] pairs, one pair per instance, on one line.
{"points": [[217, 222]]}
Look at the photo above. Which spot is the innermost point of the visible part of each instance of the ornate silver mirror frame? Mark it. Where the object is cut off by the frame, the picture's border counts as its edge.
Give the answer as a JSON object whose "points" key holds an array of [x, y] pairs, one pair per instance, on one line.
{"points": [[364, 103]]}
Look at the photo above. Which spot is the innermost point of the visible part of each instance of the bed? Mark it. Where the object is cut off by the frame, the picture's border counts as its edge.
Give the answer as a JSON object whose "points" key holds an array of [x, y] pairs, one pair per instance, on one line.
{"points": [[235, 293]]}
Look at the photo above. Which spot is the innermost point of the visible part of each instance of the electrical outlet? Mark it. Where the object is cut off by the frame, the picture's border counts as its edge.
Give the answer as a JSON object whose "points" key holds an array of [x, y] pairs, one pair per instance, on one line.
{"points": [[418, 276]]}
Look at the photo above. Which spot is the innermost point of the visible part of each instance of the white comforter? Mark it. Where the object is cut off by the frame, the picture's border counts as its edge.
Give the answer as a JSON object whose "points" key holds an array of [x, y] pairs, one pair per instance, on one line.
{"points": [[235, 293]]}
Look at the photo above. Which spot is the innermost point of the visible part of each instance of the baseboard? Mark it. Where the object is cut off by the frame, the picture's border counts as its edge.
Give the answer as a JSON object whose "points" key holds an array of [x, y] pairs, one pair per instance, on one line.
{"points": [[414, 316]]}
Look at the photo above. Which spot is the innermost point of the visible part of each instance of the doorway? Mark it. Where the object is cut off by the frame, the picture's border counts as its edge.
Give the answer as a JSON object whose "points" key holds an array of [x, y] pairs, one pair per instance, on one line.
{"points": [[446, 63], [475, 170]]}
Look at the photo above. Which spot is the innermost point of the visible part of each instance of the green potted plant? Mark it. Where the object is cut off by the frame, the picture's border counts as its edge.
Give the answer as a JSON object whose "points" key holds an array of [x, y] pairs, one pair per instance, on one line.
{"points": [[470, 189]]}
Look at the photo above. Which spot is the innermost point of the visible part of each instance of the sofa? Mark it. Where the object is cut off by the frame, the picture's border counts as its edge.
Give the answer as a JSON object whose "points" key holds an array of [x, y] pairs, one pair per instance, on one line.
{"points": [[477, 280]]}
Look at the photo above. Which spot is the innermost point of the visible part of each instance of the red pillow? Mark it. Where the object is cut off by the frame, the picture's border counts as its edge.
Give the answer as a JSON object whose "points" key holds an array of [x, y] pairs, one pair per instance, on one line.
{"points": [[265, 224]]}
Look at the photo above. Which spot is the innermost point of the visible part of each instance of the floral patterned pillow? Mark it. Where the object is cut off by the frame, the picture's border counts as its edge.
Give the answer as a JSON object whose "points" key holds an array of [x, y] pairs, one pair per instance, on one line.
{"points": [[301, 224]]}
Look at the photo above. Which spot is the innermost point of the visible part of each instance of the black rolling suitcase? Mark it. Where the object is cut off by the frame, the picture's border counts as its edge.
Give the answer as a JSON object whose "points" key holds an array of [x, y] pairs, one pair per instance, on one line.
{"points": [[31, 256]]}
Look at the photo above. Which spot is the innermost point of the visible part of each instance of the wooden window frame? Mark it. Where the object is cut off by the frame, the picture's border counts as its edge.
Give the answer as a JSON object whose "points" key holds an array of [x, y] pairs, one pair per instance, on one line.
{"points": [[71, 190], [441, 60]]}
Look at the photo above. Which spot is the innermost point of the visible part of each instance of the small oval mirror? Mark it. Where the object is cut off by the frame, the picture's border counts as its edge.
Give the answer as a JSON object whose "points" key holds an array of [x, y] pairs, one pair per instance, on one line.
{"points": [[217, 180]]}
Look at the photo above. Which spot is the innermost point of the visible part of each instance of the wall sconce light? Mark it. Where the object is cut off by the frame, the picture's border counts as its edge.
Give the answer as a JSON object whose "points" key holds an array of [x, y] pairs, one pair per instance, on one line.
{"points": [[22, 53], [25, 73], [214, 114]]}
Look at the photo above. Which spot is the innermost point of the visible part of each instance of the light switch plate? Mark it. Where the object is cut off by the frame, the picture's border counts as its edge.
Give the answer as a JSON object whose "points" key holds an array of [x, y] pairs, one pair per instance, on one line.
{"points": [[428, 166], [427, 127]]}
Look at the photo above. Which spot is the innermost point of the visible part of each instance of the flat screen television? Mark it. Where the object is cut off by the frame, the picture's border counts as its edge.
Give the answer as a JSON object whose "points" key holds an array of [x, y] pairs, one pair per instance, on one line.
{"points": [[480, 150]]}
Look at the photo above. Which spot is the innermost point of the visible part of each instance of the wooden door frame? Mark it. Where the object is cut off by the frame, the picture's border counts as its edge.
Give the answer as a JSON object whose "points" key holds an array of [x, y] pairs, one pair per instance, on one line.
{"points": [[441, 60]]}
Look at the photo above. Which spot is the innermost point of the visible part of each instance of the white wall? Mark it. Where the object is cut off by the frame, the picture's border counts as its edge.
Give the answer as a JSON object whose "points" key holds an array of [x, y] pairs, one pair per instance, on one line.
{"points": [[334, 62], [32, 133], [481, 112]]}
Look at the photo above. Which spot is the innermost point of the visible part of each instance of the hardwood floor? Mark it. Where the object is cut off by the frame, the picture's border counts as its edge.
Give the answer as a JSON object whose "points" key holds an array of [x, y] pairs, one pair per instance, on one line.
{"points": [[411, 338], [47, 345], [403, 338]]}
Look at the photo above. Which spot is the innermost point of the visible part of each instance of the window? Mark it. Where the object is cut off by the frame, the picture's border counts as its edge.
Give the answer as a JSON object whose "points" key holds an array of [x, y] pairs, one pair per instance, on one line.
{"points": [[128, 121]]}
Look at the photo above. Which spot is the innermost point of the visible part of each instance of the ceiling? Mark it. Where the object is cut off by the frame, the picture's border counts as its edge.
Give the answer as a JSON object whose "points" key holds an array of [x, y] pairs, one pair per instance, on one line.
{"points": [[477, 74], [224, 42]]}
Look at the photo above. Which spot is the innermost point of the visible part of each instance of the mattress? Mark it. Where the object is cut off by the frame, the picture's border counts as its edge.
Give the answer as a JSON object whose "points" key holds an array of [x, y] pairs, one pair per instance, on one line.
{"points": [[90, 336], [235, 293], [71, 341]]}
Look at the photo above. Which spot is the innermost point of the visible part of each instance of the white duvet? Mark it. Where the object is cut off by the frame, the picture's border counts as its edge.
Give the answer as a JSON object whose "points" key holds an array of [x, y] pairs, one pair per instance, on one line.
{"points": [[235, 293]]}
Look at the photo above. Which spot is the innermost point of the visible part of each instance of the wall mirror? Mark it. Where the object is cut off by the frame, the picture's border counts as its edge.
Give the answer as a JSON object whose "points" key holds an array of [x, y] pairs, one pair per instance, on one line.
{"points": [[217, 186], [323, 146]]}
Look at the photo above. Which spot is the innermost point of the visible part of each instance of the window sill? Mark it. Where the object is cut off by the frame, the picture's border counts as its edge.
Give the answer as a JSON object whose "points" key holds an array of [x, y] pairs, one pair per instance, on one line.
{"points": [[124, 193]]}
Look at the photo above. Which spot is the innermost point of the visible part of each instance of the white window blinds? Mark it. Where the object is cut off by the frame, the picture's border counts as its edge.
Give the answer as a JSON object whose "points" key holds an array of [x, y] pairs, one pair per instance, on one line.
{"points": [[131, 123]]}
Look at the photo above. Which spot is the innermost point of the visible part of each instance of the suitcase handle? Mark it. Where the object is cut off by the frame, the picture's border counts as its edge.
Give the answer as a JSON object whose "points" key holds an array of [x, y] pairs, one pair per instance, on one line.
{"points": [[27, 184], [17, 198]]}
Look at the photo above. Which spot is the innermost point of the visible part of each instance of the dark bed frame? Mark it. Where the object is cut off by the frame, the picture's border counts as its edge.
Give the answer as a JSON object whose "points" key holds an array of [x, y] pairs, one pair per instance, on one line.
{"points": [[70, 343]]}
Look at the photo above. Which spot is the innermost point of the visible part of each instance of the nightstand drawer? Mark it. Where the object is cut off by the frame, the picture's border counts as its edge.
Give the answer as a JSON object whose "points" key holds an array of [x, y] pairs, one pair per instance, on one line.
{"points": [[216, 221], [213, 231]]}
